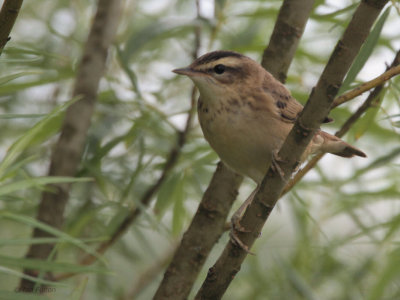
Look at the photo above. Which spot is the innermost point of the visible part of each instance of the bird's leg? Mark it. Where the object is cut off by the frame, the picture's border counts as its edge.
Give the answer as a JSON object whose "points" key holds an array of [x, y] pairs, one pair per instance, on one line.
{"points": [[235, 222], [237, 216], [275, 164]]}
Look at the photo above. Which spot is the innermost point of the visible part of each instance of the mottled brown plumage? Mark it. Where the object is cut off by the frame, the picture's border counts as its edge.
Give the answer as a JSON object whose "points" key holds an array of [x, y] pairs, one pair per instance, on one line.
{"points": [[246, 114]]}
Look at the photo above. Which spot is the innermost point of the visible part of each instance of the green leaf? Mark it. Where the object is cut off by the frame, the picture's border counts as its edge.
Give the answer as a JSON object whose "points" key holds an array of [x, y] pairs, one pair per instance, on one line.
{"points": [[20, 295], [21, 116], [365, 52], [41, 131], [16, 87], [166, 195], [37, 182], [332, 16], [178, 198], [156, 30], [387, 277], [53, 231], [51, 266], [303, 289], [368, 119], [12, 272], [7, 78], [77, 294], [34, 241]]}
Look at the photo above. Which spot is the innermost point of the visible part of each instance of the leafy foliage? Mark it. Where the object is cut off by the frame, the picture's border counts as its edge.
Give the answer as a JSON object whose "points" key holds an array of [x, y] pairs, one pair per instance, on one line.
{"points": [[336, 234]]}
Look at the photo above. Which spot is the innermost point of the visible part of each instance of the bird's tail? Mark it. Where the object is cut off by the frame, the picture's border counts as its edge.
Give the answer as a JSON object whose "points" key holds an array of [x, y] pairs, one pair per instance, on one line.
{"points": [[335, 145]]}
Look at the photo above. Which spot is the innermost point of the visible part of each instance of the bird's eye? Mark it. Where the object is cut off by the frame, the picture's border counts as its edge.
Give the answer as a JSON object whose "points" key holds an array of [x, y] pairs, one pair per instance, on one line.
{"points": [[219, 69]]}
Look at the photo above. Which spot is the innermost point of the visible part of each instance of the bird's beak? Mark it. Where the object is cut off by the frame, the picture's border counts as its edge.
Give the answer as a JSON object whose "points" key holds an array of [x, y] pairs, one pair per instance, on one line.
{"points": [[188, 71]]}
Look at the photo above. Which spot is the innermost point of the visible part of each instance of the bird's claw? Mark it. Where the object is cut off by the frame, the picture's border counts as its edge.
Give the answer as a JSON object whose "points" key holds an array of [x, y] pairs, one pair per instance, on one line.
{"points": [[275, 164], [236, 241]]}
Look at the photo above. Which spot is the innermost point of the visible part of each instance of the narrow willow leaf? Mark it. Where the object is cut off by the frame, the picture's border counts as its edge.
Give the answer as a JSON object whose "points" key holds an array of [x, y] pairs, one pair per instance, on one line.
{"points": [[41, 131], [332, 16], [179, 210], [77, 294], [296, 280], [365, 52], [165, 196], [152, 33], [34, 241], [12, 272], [20, 295], [387, 278], [53, 231], [16, 87], [368, 119], [37, 182], [7, 78], [43, 265], [21, 116], [17, 165]]}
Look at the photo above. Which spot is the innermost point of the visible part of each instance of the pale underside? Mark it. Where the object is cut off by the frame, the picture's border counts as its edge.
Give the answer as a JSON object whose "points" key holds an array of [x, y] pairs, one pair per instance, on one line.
{"points": [[242, 136]]}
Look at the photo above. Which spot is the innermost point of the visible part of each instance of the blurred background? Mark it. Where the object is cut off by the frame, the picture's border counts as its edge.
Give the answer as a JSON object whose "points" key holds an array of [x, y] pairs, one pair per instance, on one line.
{"points": [[334, 236]]}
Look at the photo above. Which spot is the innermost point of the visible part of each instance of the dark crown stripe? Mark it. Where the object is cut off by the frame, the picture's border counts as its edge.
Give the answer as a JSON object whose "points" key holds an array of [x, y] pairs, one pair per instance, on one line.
{"points": [[212, 56]]}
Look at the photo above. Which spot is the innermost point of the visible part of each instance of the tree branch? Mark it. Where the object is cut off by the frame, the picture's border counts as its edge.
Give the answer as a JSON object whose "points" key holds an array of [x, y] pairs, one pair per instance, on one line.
{"points": [[285, 37], [317, 107], [66, 155], [209, 220], [172, 159], [204, 231], [8, 15], [380, 80]]}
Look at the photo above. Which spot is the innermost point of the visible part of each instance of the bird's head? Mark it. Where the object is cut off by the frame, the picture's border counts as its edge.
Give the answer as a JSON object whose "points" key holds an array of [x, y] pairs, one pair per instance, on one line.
{"points": [[220, 73]]}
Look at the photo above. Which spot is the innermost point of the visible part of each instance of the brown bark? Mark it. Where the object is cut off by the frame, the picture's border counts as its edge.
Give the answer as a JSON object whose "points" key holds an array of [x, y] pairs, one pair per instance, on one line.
{"points": [[204, 231], [285, 37], [228, 264], [8, 15], [172, 159], [208, 222], [67, 152]]}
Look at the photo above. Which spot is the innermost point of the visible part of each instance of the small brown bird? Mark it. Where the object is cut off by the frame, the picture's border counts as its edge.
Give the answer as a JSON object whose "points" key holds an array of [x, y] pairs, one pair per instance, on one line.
{"points": [[246, 114]]}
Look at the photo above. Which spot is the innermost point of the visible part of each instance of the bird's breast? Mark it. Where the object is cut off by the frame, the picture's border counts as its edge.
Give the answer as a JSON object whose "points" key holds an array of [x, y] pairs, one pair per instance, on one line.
{"points": [[243, 138]]}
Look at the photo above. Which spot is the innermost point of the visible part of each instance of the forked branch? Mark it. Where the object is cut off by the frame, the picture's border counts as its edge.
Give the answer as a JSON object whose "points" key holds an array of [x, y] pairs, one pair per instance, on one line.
{"points": [[317, 108]]}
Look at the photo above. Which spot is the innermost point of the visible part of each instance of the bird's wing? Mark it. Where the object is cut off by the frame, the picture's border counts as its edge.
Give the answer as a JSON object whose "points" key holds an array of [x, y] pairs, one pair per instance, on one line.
{"points": [[287, 106]]}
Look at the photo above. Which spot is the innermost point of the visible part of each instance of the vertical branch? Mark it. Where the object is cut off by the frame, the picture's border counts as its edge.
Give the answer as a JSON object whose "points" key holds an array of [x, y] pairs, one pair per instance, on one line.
{"points": [[8, 15], [67, 152], [228, 264], [285, 37], [208, 222], [145, 200]]}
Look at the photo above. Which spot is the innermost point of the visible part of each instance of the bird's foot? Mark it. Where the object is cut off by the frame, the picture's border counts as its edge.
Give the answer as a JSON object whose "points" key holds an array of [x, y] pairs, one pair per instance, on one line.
{"points": [[237, 227], [275, 164], [236, 241]]}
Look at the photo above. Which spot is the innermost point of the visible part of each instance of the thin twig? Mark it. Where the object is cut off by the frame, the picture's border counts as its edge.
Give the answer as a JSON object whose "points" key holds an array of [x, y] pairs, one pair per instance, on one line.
{"points": [[366, 86]]}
